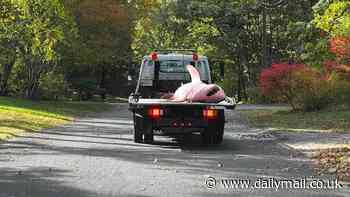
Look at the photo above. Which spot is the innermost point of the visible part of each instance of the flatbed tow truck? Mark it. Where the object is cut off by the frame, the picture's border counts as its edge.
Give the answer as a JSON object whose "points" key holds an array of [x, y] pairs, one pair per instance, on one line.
{"points": [[162, 73]]}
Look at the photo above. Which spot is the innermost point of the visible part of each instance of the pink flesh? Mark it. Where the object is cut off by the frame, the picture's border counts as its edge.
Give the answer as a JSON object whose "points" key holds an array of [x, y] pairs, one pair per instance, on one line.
{"points": [[196, 90]]}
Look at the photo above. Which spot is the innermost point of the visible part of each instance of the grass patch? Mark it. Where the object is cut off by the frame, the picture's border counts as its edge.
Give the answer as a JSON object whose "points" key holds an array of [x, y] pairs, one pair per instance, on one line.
{"points": [[326, 120], [19, 115]]}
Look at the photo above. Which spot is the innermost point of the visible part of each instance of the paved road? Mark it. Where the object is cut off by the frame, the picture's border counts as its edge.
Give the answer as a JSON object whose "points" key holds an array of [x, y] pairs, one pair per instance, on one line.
{"points": [[96, 156]]}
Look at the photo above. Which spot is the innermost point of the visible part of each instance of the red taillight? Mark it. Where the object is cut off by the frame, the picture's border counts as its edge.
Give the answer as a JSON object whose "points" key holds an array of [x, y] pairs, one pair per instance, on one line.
{"points": [[195, 57], [154, 56], [155, 112], [210, 114]]}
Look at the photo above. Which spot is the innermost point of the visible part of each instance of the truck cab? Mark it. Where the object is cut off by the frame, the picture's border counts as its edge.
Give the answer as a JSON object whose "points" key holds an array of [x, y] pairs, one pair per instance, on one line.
{"points": [[161, 73], [165, 72]]}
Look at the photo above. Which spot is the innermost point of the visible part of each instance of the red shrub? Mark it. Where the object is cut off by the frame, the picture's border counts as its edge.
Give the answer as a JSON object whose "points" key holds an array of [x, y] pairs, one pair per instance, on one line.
{"points": [[278, 78], [297, 84]]}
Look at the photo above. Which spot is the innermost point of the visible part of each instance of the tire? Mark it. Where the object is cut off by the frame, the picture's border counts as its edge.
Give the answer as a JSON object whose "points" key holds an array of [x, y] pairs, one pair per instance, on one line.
{"points": [[149, 138], [214, 133], [213, 136], [219, 136], [143, 133], [138, 135], [206, 137]]}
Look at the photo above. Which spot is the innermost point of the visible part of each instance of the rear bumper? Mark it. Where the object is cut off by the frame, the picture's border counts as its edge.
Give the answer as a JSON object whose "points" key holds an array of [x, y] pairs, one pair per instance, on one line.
{"points": [[177, 120], [175, 131], [180, 125]]}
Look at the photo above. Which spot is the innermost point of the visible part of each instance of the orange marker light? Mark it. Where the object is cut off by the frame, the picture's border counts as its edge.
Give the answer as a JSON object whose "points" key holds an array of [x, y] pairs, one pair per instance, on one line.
{"points": [[210, 114]]}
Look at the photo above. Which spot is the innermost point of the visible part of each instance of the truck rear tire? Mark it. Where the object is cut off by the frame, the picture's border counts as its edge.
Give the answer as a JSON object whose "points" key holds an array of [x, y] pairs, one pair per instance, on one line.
{"points": [[214, 133], [219, 136], [138, 136], [206, 137], [212, 136], [149, 138], [142, 133]]}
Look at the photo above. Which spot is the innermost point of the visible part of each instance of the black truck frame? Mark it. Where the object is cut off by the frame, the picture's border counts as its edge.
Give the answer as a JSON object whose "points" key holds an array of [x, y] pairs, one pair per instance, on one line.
{"points": [[156, 116]]}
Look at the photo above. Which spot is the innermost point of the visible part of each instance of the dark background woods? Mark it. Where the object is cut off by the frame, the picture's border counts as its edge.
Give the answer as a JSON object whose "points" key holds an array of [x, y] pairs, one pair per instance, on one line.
{"points": [[82, 49]]}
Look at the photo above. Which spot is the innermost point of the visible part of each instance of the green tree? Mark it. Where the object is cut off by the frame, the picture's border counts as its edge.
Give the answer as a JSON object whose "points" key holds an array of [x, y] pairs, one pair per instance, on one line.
{"points": [[252, 34], [35, 29], [10, 38], [246, 35], [48, 24], [97, 61], [333, 17]]}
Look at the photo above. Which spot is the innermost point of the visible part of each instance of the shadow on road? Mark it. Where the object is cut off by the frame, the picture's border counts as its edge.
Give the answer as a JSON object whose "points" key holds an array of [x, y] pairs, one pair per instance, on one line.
{"points": [[108, 140], [42, 182], [234, 156], [38, 181]]}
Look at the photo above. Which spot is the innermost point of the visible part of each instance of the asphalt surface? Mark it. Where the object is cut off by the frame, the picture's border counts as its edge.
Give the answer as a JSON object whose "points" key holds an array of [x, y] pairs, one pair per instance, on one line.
{"points": [[96, 156]]}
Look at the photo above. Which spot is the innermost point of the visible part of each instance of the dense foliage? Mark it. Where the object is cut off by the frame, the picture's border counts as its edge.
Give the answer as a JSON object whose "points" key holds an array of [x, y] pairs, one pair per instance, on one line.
{"points": [[297, 84], [70, 41], [329, 54], [83, 48]]}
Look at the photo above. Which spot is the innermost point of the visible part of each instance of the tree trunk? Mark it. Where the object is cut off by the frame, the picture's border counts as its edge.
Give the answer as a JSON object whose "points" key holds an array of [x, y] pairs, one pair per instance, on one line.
{"points": [[102, 89], [264, 39], [34, 72], [5, 77], [239, 81], [242, 64]]}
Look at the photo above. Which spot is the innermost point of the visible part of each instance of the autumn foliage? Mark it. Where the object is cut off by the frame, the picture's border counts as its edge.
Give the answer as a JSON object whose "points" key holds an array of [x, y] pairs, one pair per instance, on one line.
{"points": [[277, 78], [307, 88], [342, 70], [296, 84], [340, 46]]}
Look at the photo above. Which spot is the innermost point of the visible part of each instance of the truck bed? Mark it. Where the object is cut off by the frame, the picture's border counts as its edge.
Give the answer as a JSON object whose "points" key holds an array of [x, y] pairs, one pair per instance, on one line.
{"points": [[228, 103]]}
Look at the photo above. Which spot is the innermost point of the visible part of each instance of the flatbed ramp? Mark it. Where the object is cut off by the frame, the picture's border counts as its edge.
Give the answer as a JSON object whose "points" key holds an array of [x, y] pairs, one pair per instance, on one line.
{"points": [[228, 103]]}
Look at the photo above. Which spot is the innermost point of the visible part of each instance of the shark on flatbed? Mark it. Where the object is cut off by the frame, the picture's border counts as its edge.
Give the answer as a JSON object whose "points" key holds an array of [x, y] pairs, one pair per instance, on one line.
{"points": [[197, 91]]}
